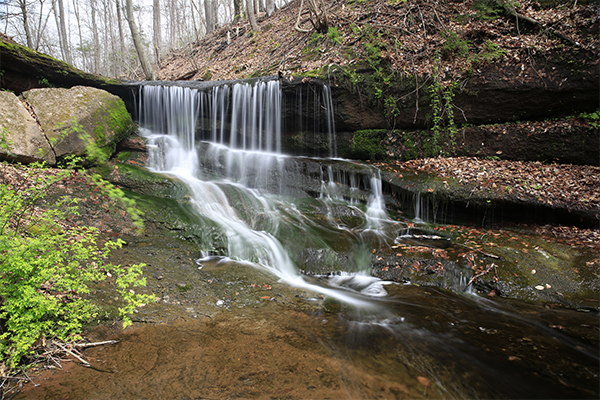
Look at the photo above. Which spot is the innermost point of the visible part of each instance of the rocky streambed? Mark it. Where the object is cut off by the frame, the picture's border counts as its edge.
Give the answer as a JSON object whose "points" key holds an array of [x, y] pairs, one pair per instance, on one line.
{"points": [[222, 329]]}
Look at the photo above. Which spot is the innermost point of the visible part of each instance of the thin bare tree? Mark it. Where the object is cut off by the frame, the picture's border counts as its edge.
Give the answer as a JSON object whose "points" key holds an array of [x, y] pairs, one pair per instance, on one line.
{"points": [[137, 42]]}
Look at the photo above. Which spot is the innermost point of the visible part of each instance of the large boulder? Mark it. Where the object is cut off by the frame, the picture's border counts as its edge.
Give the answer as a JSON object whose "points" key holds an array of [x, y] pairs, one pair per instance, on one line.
{"points": [[21, 139], [67, 115]]}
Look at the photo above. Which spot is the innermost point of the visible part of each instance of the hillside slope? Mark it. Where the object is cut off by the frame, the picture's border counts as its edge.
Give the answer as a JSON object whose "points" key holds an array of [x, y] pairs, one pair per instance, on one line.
{"points": [[465, 35]]}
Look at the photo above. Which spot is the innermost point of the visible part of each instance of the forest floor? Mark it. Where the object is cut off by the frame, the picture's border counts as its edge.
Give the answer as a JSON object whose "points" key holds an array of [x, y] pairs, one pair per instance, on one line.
{"points": [[416, 38]]}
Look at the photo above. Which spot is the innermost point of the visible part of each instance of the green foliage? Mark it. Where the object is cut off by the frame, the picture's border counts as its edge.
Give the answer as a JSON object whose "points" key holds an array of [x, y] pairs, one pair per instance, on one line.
{"points": [[5, 142], [592, 118], [123, 156], [493, 9], [316, 39], [46, 265], [410, 151], [333, 36], [443, 128], [367, 144], [489, 52], [45, 83]]}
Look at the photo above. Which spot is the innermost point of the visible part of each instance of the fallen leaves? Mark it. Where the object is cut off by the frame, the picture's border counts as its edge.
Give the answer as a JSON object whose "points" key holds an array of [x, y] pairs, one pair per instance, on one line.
{"points": [[573, 186]]}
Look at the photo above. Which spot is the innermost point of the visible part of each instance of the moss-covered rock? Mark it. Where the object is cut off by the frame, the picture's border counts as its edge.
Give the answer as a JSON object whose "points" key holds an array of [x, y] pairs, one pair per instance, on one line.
{"points": [[368, 144], [68, 115], [24, 69]]}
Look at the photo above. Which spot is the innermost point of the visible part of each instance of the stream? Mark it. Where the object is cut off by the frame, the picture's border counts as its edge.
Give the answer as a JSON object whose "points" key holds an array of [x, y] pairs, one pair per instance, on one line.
{"points": [[277, 296]]}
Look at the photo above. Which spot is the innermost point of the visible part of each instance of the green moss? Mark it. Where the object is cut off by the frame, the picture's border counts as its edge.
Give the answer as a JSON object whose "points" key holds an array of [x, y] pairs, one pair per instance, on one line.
{"points": [[124, 156], [367, 144]]}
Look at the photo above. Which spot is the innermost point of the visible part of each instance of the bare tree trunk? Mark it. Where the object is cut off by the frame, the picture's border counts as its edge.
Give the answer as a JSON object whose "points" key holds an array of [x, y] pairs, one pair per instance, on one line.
{"points": [[41, 26], [237, 9], [251, 15], [137, 42], [270, 7], [95, 38], [24, 17], [120, 26], [76, 11], [156, 30], [209, 16], [63, 29]]}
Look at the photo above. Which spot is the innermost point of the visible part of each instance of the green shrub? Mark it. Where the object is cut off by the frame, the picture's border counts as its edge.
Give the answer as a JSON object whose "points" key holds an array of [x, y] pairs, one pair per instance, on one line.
{"points": [[46, 265]]}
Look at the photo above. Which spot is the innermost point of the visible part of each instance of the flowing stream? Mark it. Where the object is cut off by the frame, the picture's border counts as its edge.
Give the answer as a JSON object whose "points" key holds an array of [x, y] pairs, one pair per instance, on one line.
{"points": [[288, 247]]}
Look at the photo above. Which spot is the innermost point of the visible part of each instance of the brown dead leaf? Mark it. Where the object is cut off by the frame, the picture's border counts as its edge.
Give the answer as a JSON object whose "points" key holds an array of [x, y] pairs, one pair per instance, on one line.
{"points": [[424, 381]]}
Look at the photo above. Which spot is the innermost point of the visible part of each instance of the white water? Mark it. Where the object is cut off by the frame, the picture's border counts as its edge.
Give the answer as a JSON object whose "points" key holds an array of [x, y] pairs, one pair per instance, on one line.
{"points": [[245, 151]]}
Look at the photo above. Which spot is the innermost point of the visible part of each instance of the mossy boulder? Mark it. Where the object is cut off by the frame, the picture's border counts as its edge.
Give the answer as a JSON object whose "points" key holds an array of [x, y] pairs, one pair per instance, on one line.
{"points": [[67, 116]]}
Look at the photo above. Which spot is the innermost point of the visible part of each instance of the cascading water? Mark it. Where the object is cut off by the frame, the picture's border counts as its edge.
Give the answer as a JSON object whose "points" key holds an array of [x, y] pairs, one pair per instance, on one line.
{"points": [[239, 160]]}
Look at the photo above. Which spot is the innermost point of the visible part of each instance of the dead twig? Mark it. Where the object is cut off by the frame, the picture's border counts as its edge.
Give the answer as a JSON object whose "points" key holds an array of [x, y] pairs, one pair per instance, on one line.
{"points": [[94, 344], [480, 274], [72, 354], [479, 251]]}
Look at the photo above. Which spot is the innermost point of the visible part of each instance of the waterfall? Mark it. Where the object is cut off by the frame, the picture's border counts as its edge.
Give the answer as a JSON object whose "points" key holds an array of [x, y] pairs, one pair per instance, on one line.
{"points": [[225, 145], [314, 118]]}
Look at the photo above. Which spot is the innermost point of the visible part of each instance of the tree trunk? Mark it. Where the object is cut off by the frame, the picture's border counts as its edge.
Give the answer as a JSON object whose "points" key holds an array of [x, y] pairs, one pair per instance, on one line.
{"points": [[120, 26], [137, 42], [24, 16], [237, 9], [251, 15], [95, 38], [270, 7], [77, 17], [63, 29], [209, 16], [156, 30]]}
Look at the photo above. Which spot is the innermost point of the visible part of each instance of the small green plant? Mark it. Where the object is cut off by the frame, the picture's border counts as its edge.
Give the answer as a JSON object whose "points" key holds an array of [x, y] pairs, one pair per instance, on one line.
{"points": [[334, 37], [442, 116], [316, 39], [453, 45], [488, 9], [592, 118], [45, 83], [5, 143], [489, 52]]}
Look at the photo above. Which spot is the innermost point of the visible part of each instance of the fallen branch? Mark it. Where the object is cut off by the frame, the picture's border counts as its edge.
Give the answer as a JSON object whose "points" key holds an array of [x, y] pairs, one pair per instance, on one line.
{"points": [[479, 251], [480, 274], [86, 345], [72, 354], [543, 26]]}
